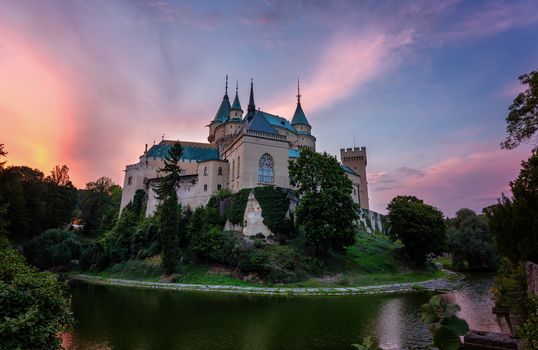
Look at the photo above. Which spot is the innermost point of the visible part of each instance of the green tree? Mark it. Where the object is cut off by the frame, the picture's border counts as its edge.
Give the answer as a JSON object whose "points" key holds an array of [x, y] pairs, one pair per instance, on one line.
{"points": [[34, 306], [61, 197], [514, 222], [471, 243], [326, 210], [419, 226], [53, 248], [99, 205], [169, 209], [522, 119]]}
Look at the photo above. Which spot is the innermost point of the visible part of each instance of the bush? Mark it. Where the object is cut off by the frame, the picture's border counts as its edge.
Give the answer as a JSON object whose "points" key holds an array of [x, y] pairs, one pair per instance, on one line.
{"points": [[529, 330], [510, 285], [34, 307], [95, 256], [53, 248], [145, 241], [236, 208]]}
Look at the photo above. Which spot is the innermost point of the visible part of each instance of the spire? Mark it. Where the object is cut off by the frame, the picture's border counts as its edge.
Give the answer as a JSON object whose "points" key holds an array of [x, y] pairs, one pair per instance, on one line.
{"points": [[251, 110], [224, 110], [236, 105], [299, 117]]}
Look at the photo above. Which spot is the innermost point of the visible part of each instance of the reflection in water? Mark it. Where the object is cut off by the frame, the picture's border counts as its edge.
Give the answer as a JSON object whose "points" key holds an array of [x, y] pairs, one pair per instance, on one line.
{"points": [[127, 318], [476, 302]]}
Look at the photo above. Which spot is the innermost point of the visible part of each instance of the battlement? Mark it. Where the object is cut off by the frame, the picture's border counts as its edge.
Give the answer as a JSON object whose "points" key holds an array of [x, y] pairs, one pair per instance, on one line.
{"points": [[352, 151]]}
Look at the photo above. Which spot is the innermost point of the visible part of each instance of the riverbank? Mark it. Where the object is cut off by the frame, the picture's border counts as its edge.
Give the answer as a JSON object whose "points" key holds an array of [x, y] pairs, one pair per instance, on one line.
{"points": [[442, 284]]}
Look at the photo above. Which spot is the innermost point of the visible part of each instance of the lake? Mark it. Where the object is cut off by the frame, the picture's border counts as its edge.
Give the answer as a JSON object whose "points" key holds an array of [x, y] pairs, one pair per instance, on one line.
{"points": [[127, 318]]}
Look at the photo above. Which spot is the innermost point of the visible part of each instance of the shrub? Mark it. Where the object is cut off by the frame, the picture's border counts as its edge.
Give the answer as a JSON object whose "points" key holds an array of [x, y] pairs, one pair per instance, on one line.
{"points": [[95, 256], [145, 242], [53, 248], [34, 307], [510, 285], [236, 208], [529, 330]]}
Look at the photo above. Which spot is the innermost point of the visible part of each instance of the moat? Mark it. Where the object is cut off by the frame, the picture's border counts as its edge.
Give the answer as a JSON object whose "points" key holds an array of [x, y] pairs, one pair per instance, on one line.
{"points": [[130, 318]]}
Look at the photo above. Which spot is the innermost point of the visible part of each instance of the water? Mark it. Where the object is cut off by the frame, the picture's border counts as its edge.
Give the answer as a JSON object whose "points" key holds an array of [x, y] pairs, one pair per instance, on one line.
{"points": [[127, 318]]}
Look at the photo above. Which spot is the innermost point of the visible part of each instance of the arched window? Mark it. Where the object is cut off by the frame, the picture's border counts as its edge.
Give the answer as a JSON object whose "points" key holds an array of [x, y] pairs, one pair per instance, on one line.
{"points": [[265, 169], [220, 170], [238, 165], [205, 171]]}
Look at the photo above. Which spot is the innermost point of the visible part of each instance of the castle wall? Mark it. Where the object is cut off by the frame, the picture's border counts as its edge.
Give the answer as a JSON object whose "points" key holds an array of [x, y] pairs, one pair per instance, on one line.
{"points": [[355, 159]]}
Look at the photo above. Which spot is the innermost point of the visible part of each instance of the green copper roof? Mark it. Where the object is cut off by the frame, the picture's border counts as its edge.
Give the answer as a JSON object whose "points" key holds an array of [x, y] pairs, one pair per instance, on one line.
{"points": [[259, 123], [294, 153], [278, 121], [189, 152], [299, 117], [224, 110], [236, 105], [348, 169]]}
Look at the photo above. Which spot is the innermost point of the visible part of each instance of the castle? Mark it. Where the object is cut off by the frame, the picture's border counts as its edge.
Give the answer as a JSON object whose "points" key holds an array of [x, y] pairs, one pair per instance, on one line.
{"points": [[244, 151]]}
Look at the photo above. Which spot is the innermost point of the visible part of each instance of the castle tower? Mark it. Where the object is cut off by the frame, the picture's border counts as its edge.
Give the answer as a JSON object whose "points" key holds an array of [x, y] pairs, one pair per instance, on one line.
{"points": [[222, 115], [299, 121], [355, 159], [236, 112], [251, 109]]}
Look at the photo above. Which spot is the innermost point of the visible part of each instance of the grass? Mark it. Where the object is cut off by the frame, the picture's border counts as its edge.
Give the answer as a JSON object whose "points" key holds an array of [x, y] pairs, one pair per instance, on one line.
{"points": [[373, 260], [446, 262]]}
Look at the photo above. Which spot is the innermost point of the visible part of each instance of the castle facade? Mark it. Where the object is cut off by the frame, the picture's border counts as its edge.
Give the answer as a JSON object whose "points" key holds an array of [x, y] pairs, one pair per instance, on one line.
{"points": [[244, 150]]}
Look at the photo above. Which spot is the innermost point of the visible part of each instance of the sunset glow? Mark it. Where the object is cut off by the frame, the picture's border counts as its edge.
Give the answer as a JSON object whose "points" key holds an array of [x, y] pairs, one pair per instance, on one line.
{"points": [[423, 85]]}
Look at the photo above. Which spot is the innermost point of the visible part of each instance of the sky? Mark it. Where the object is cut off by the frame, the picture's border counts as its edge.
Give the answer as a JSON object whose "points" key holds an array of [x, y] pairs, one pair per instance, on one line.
{"points": [[424, 85]]}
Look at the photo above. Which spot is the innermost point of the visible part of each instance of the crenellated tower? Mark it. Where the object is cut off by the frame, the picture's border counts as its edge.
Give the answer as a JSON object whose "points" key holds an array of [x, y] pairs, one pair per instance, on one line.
{"points": [[355, 159]]}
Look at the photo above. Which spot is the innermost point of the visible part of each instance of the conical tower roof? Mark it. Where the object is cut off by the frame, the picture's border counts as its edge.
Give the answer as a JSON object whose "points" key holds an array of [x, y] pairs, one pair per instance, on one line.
{"points": [[223, 112], [236, 105], [299, 117]]}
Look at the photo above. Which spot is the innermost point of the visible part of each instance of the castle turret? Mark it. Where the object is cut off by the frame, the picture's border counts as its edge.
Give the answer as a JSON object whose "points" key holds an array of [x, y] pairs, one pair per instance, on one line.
{"points": [[299, 121], [251, 109], [355, 159], [236, 112], [222, 115]]}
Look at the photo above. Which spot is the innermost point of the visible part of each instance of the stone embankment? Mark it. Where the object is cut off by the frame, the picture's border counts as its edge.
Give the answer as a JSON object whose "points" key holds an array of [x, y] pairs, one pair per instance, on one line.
{"points": [[444, 284]]}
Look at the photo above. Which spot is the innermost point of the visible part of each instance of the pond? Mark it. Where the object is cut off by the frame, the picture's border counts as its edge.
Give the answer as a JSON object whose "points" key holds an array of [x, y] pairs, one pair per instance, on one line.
{"points": [[128, 318]]}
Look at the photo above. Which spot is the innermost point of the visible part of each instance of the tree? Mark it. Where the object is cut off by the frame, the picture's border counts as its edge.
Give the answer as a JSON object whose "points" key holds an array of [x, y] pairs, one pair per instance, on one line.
{"points": [[419, 226], [522, 119], [169, 210], [470, 241], [34, 306], [99, 205], [326, 210], [514, 222], [61, 197]]}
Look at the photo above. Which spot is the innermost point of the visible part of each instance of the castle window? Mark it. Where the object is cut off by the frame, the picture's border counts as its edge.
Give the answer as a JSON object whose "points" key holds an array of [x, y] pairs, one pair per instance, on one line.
{"points": [[265, 169], [205, 188], [129, 180], [205, 171], [233, 169], [220, 170], [238, 165], [219, 187]]}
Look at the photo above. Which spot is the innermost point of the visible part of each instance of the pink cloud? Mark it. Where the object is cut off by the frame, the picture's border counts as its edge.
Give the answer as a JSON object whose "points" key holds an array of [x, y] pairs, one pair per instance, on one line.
{"points": [[472, 181], [347, 63]]}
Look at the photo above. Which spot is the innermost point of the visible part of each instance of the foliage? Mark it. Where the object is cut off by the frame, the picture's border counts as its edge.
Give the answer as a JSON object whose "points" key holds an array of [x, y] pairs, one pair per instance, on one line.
{"points": [[274, 203], [34, 306], [510, 289], [368, 343], [34, 202], [99, 205], [236, 208], [169, 209], [326, 210], [53, 248], [514, 222], [522, 119], [419, 226], [145, 241], [95, 255], [470, 241], [444, 325], [529, 330]]}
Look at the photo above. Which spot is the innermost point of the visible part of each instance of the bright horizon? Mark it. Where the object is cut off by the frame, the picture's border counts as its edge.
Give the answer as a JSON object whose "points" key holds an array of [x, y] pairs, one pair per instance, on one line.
{"points": [[424, 86]]}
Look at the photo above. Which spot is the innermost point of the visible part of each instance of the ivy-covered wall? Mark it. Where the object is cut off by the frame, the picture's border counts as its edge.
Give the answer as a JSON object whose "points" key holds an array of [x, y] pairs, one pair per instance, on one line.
{"points": [[274, 203]]}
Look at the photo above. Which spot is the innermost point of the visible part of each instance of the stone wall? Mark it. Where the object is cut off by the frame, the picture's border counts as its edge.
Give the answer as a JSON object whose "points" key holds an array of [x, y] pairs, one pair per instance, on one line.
{"points": [[370, 221], [532, 277]]}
